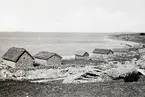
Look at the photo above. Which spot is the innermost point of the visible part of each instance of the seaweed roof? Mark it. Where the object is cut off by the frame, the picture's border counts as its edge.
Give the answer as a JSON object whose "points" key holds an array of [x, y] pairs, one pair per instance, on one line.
{"points": [[14, 53], [81, 53], [102, 51], [121, 49], [45, 55]]}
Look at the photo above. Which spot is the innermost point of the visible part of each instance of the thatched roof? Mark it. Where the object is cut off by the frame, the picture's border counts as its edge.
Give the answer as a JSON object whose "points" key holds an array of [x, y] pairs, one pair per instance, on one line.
{"points": [[126, 45], [45, 55], [14, 53], [81, 53], [102, 51], [123, 50]]}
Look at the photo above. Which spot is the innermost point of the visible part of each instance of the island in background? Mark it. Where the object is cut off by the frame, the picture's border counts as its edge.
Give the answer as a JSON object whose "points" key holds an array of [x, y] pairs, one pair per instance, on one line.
{"points": [[134, 37]]}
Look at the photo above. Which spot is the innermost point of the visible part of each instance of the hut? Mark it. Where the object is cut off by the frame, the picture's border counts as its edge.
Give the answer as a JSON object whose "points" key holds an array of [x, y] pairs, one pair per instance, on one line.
{"points": [[47, 58], [125, 45], [121, 50], [82, 55], [18, 57], [102, 54], [103, 51], [137, 47]]}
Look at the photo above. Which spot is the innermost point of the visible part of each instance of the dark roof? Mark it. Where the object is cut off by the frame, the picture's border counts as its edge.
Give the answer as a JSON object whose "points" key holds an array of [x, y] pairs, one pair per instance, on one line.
{"points": [[45, 55], [102, 51], [126, 45], [14, 53], [121, 50], [81, 53]]}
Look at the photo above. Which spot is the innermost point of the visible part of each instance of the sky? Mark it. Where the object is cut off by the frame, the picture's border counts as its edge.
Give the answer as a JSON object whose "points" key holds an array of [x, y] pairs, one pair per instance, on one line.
{"points": [[72, 15]]}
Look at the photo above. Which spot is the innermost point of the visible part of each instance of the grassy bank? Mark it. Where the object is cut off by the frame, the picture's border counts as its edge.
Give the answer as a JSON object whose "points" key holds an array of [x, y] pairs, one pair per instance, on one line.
{"points": [[56, 89]]}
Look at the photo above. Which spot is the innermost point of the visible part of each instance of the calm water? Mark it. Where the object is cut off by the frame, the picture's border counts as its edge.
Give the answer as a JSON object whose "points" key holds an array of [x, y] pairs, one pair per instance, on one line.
{"points": [[65, 44]]}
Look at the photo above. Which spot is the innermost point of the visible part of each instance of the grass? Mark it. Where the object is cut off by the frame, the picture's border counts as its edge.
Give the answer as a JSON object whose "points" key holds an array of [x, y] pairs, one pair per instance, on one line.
{"points": [[57, 89], [75, 62]]}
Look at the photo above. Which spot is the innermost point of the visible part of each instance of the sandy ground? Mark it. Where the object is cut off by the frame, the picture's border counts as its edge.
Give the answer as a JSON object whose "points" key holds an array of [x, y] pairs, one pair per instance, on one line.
{"points": [[114, 43], [68, 57]]}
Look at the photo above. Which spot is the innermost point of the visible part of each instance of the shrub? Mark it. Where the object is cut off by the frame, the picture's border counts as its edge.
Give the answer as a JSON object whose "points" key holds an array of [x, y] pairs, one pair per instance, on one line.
{"points": [[130, 77], [142, 33]]}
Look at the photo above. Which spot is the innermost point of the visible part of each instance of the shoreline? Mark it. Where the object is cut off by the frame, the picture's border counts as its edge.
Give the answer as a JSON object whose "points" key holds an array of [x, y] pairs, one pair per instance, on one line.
{"points": [[110, 39], [134, 37], [114, 43]]}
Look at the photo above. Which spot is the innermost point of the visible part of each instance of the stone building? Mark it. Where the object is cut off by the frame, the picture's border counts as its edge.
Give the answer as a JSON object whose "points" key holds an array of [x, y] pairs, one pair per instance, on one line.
{"points": [[18, 57], [47, 59], [82, 55]]}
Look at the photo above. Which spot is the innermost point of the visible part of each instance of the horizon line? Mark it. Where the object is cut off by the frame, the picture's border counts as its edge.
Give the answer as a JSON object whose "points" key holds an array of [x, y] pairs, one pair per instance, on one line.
{"points": [[66, 32]]}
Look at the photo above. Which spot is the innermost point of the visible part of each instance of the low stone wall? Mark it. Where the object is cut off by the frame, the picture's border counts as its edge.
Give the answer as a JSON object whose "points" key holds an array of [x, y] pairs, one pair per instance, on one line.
{"points": [[34, 68]]}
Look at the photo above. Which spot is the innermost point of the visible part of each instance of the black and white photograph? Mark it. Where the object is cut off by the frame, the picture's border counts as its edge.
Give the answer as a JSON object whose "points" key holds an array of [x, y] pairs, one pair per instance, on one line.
{"points": [[72, 48]]}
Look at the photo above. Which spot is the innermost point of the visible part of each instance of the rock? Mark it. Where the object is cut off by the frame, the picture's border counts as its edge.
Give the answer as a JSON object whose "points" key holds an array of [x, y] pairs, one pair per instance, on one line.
{"points": [[5, 74], [127, 73], [142, 71]]}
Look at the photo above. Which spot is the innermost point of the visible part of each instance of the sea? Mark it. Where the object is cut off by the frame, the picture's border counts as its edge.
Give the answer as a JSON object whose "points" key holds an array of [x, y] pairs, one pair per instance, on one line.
{"points": [[64, 44]]}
